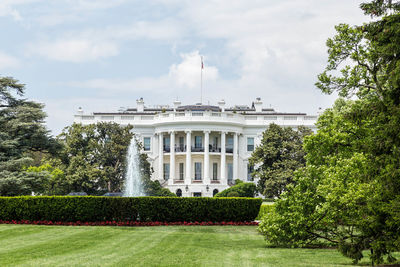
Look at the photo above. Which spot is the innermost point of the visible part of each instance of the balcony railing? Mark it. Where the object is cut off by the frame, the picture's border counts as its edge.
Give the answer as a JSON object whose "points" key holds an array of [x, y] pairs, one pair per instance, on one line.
{"points": [[213, 149], [180, 148], [197, 149]]}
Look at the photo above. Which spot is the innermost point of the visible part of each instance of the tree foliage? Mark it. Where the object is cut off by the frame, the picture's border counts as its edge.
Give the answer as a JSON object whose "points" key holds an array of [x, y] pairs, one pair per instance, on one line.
{"points": [[277, 157], [348, 194], [22, 132], [94, 159], [94, 156]]}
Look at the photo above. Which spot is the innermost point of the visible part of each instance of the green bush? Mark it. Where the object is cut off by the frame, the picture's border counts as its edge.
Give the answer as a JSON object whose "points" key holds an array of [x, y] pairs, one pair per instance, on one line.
{"points": [[239, 190], [94, 209], [233, 194], [264, 210]]}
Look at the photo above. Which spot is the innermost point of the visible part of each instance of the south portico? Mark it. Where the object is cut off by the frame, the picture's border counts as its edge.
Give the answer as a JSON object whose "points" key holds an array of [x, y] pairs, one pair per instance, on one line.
{"points": [[211, 154]]}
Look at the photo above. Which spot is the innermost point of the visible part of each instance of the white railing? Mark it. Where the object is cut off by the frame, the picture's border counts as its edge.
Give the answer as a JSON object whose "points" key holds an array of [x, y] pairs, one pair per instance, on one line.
{"points": [[206, 116]]}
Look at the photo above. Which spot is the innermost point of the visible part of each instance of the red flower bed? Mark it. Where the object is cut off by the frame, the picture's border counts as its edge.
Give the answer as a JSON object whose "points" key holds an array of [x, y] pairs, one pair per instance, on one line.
{"points": [[127, 223]]}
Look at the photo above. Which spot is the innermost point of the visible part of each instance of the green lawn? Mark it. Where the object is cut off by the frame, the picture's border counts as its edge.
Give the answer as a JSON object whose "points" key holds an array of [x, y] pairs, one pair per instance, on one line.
{"points": [[33, 245]]}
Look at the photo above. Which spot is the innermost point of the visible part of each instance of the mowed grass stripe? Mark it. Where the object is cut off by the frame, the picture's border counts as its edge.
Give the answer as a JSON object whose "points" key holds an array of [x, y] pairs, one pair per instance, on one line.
{"points": [[33, 245], [95, 245]]}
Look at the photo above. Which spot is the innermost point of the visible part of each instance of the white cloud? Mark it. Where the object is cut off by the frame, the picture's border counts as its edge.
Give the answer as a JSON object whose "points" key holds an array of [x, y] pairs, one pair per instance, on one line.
{"points": [[182, 81], [188, 72], [92, 44], [75, 50], [9, 8], [266, 48], [167, 29], [7, 61]]}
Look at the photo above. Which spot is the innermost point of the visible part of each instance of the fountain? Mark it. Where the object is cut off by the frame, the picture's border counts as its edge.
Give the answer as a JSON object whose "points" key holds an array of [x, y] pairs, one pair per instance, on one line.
{"points": [[133, 186]]}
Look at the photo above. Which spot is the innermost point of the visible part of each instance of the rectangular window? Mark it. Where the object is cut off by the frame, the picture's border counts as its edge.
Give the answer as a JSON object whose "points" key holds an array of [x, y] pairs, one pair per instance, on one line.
{"points": [[229, 144], [166, 144], [197, 170], [146, 143], [181, 141], [181, 171], [250, 170], [230, 172], [215, 171], [198, 142], [181, 144], [250, 143], [166, 171]]}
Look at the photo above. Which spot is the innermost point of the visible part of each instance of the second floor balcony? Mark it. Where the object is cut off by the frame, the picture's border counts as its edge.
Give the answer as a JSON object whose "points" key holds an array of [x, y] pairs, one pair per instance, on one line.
{"points": [[212, 149]]}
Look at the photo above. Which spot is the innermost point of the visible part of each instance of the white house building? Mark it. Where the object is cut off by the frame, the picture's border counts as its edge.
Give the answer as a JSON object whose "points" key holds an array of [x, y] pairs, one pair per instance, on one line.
{"points": [[199, 150]]}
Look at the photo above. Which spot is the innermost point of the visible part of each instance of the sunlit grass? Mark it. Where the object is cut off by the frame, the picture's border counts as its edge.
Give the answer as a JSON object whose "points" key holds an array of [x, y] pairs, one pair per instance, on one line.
{"points": [[34, 245]]}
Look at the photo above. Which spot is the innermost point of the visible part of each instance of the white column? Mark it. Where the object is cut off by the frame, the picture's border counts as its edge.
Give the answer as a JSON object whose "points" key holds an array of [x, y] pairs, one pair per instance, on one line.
{"points": [[188, 157], [235, 155], [223, 158], [160, 156], [172, 158], [206, 157]]}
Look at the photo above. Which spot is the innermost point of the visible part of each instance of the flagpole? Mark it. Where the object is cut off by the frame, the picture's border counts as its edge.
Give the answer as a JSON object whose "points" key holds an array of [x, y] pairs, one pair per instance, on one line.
{"points": [[201, 81]]}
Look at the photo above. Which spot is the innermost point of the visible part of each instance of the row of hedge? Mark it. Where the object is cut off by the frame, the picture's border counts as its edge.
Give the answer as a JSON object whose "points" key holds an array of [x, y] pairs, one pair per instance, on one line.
{"points": [[148, 209], [264, 210]]}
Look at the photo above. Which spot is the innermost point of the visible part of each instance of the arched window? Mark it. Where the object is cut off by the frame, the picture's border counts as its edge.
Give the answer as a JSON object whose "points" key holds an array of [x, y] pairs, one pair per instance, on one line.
{"points": [[179, 192], [215, 191]]}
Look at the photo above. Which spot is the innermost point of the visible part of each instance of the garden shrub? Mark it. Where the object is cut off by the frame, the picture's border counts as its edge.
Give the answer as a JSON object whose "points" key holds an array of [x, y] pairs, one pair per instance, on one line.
{"points": [[239, 190], [265, 209], [151, 209], [233, 194]]}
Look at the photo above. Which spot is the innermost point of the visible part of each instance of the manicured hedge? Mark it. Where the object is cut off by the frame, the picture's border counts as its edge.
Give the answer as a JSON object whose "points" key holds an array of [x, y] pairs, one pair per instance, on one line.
{"points": [[149, 209], [264, 210]]}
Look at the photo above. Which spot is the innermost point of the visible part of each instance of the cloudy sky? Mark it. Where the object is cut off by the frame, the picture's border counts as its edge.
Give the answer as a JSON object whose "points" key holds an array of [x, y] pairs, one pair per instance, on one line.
{"points": [[102, 55]]}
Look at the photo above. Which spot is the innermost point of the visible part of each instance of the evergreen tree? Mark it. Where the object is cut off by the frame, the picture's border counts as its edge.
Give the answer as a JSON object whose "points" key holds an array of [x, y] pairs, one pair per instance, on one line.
{"points": [[22, 131], [277, 157]]}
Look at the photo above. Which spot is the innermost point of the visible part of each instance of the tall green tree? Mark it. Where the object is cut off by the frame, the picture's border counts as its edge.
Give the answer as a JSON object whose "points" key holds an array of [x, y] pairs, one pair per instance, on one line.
{"points": [[349, 192], [22, 132], [277, 157], [94, 159], [94, 156]]}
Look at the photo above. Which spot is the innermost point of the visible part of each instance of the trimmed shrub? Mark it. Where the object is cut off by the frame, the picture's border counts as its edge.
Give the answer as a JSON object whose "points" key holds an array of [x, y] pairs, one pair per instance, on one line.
{"points": [[149, 209], [265, 209], [239, 190], [233, 194]]}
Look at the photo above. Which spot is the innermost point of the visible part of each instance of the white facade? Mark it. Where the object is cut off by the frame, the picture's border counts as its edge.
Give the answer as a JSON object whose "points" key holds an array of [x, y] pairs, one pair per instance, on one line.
{"points": [[175, 138]]}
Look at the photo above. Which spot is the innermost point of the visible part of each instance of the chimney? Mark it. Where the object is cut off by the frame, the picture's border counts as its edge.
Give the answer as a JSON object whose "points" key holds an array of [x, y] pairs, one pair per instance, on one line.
{"points": [[177, 103], [140, 105], [258, 104], [221, 104]]}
